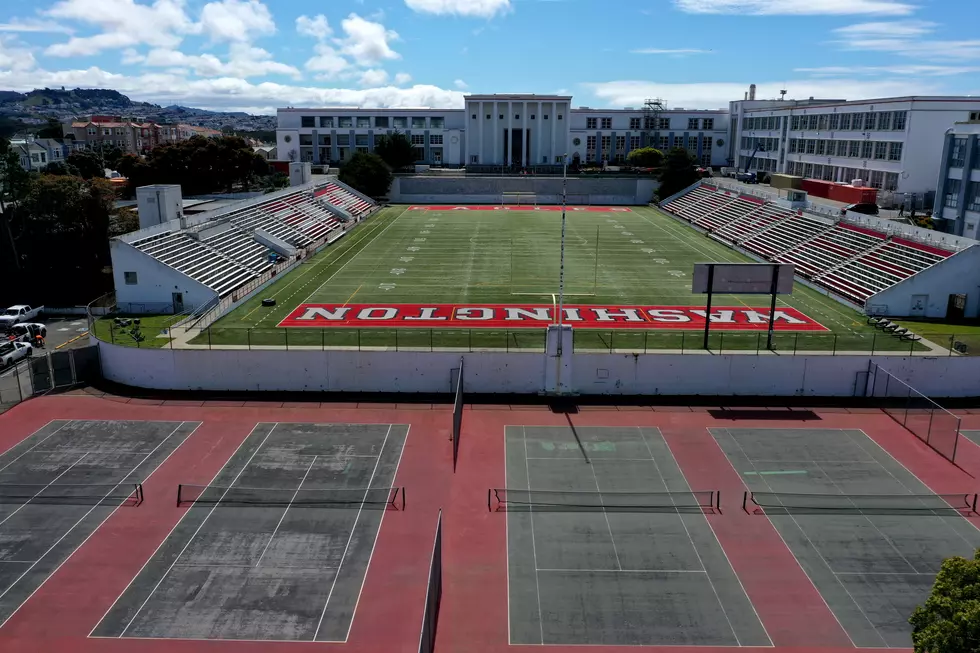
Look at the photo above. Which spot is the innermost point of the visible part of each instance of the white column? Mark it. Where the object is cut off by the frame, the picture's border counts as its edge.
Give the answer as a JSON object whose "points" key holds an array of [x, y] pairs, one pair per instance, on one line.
{"points": [[539, 120], [509, 138], [526, 140], [554, 120], [493, 133], [480, 127]]}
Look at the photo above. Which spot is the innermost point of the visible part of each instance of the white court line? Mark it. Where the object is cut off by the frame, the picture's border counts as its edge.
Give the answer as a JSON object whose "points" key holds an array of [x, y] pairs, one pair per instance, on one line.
{"points": [[112, 451], [791, 552], [534, 546], [200, 526], [507, 540], [630, 571], [204, 565], [884, 573], [353, 529], [21, 506], [594, 459], [605, 515], [367, 568], [283, 517], [44, 439], [94, 530]]}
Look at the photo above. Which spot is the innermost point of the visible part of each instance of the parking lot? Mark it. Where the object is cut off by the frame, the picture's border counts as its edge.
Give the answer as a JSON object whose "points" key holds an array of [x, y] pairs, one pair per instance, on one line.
{"points": [[63, 333]]}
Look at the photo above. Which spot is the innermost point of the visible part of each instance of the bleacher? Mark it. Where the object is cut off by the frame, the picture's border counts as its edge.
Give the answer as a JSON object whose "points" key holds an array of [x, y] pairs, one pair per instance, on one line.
{"points": [[197, 260], [852, 261], [343, 198]]}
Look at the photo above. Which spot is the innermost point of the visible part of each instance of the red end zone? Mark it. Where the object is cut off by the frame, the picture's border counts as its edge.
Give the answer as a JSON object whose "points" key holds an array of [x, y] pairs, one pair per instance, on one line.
{"points": [[493, 207], [467, 316]]}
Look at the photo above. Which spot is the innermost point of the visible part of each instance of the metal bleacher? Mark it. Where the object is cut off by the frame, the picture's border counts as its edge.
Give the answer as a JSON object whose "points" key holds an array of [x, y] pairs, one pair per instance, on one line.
{"points": [[197, 260], [343, 198], [852, 261]]}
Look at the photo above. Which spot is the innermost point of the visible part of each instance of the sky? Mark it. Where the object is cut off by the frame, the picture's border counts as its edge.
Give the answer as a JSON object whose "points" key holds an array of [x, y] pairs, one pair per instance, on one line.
{"points": [[258, 55]]}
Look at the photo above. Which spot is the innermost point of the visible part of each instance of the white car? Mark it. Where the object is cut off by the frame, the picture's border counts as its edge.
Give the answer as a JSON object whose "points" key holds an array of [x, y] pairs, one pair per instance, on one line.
{"points": [[13, 352], [17, 314]]}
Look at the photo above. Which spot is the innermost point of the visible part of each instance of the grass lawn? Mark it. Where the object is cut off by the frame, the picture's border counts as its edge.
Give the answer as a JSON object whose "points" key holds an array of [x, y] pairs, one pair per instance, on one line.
{"points": [[637, 257], [152, 328]]}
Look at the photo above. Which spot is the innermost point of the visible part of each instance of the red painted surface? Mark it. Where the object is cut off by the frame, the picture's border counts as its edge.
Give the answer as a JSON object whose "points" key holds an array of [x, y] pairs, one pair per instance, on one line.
{"points": [[495, 207], [923, 247], [861, 230], [476, 316]]}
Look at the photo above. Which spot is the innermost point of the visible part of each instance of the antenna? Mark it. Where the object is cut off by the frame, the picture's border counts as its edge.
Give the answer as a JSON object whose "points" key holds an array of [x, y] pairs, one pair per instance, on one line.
{"points": [[782, 95]]}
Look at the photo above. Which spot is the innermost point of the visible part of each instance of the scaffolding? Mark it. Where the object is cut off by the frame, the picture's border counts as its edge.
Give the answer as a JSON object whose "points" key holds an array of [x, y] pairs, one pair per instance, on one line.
{"points": [[652, 110]]}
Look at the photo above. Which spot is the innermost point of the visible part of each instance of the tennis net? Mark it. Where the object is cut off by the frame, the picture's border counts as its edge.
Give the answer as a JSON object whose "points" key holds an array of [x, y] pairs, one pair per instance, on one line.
{"points": [[502, 499], [129, 494], [384, 498], [776, 502]]}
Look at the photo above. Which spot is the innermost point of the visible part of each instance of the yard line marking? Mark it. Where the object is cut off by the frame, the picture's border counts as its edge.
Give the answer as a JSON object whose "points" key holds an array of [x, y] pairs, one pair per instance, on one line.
{"points": [[200, 526], [283, 517]]}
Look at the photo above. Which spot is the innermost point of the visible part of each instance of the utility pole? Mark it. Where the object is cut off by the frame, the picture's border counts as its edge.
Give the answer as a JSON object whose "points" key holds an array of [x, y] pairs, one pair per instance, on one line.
{"points": [[561, 260]]}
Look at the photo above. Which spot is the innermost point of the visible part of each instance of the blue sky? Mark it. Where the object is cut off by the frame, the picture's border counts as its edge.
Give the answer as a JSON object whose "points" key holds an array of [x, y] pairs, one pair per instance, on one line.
{"points": [[256, 55]]}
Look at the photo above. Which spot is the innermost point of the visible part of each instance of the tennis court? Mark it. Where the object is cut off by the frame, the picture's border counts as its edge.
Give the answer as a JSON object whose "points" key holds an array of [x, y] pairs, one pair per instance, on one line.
{"points": [[58, 486], [608, 545], [972, 436], [277, 546], [874, 539]]}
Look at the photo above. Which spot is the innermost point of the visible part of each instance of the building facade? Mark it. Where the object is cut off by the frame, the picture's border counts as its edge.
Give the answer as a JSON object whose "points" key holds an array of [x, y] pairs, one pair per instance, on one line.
{"points": [[957, 207], [516, 130], [893, 144], [129, 136]]}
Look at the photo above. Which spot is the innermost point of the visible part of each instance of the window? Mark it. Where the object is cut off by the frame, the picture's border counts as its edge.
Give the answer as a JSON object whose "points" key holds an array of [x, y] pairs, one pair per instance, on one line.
{"points": [[345, 122], [399, 123], [869, 121], [326, 121], [957, 153], [418, 139], [663, 123], [845, 121], [435, 139], [821, 146], [559, 159], [605, 143], [532, 116], [898, 121], [131, 278], [343, 139], [634, 123], [418, 122], [973, 196], [545, 116], [418, 153], [591, 123], [361, 140], [952, 199], [590, 143], [881, 150], [811, 146], [822, 122], [891, 181], [635, 142], [834, 121], [307, 121], [792, 145], [692, 123], [884, 120], [363, 122], [855, 149], [664, 142], [325, 139], [894, 151], [473, 116], [620, 143], [475, 158], [488, 116], [306, 139], [812, 121], [559, 116], [381, 122], [93, 131], [106, 131], [501, 117], [794, 123], [706, 143], [866, 149], [437, 123], [974, 116], [517, 116], [709, 124], [841, 148]]}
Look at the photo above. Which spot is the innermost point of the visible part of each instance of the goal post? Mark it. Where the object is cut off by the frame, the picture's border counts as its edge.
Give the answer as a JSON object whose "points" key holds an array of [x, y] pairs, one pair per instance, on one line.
{"points": [[518, 199]]}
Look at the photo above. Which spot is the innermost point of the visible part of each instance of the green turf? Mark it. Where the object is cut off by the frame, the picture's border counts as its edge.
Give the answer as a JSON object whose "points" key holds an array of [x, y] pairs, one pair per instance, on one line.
{"points": [[641, 257], [152, 327]]}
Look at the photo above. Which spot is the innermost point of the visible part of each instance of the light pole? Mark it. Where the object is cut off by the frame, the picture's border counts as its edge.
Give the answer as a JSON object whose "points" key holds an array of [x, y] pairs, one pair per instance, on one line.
{"points": [[561, 260]]}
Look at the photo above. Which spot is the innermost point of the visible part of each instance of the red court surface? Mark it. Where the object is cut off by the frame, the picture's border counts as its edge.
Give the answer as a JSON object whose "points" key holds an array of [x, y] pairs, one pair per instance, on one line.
{"points": [[474, 616]]}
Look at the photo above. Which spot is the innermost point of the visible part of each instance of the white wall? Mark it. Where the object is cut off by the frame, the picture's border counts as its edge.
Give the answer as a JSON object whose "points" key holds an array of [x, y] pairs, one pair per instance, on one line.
{"points": [[156, 282], [526, 373], [959, 274]]}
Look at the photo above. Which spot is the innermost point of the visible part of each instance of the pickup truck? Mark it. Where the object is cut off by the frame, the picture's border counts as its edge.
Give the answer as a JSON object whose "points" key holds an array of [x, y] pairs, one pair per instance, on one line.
{"points": [[12, 352], [25, 332], [17, 314]]}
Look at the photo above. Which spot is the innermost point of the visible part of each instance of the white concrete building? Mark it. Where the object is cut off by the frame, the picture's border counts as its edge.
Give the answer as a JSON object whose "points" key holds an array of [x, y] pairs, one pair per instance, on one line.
{"points": [[957, 207], [519, 130], [894, 144]]}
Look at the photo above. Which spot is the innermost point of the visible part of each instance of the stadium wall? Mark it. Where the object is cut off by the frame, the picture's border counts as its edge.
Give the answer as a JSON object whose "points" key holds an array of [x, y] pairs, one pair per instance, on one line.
{"points": [[527, 373], [601, 191], [926, 294], [155, 282]]}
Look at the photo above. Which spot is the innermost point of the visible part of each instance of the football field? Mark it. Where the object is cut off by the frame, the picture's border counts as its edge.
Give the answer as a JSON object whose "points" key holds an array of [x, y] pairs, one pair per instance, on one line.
{"points": [[430, 262]]}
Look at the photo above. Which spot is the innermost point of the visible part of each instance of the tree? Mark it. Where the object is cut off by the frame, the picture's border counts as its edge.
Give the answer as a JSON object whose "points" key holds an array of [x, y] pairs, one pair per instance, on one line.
{"points": [[395, 150], [14, 180], [367, 173], [949, 622], [88, 163], [60, 168], [645, 157], [51, 130], [678, 172]]}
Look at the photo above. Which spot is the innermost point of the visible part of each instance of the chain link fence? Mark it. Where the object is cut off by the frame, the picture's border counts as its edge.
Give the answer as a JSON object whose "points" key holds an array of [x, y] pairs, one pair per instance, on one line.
{"points": [[47, 372]]}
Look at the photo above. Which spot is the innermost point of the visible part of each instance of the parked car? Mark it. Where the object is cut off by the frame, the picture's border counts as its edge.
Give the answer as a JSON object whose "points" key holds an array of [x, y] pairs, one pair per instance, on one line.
{"points": [[25, 331], [17, 314], [13, 352], [866, 208], [746, 177]]}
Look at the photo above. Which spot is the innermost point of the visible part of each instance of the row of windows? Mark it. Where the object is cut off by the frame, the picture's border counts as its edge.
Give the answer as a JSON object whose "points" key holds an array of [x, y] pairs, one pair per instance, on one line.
{"points": [[362, 139], [873, 178], [762, 122], [765, 165], [651, 123], [365, 122], [952, 198], [869, 121], [881, 150], [957, 154], [766, 144]]}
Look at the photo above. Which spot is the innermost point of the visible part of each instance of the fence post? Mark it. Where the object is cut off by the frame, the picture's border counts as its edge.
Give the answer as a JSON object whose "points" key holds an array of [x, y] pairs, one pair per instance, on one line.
{"points": [[683, 338], [248, 337], [286, 336], [358, 340], [396, 339], [758, 342], [611, 347], [20, 391], [721, 343], [874, 341], [796, 342], [911, 346], [646, 335], [323, 336], [209, 338], [951, 341], [834, 351]]}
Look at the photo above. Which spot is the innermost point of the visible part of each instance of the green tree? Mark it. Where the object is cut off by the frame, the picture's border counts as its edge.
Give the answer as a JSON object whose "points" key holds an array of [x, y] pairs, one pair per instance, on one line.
{"points": [[88, 163], [395, 150], [645, 157], [949, 622], [51, 130], [14, 180], [367, 173], [60, 168], [678, 173]]}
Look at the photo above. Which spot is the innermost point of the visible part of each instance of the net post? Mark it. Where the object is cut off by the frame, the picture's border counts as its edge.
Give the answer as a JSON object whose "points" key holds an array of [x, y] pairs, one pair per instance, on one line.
{"points": [[745, 501], [139, 493], [974, 503], [489, 495], [403, 498], [179, 485]]}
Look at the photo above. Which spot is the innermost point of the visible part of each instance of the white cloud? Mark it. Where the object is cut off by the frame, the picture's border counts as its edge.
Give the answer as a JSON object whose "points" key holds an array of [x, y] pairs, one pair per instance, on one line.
{"points": [[911, 69], [460, 84], [243, 61], [123, 23], [236, 20], [891, 29], [14, 56], [316, 27], [797, 7], [373, 77], [471, 8], [366, 42], [708, 95], [327, 62], [402, 78], [34, 25], [674, 51], [132, 56]]}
